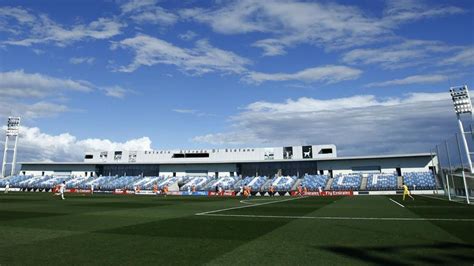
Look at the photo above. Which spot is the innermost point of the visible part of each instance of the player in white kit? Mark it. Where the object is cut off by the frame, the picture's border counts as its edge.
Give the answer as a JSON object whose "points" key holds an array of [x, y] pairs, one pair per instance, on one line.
{"points": [[62, 188], [7, 187]]}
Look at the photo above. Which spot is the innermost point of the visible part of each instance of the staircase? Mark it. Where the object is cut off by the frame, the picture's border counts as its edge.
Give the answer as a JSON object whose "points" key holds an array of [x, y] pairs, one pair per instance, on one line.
{"points": [[297, 183], [266, 185], [363, 183], [328, 185]]}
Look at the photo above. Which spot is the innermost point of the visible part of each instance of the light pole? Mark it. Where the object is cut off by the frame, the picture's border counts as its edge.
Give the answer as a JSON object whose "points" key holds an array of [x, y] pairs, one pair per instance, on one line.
{"points": [[12, 132], [462, 105]]}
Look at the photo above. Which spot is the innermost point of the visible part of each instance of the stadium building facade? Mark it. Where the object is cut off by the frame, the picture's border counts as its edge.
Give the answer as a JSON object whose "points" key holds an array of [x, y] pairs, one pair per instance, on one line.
{"points": [[281, 161]]}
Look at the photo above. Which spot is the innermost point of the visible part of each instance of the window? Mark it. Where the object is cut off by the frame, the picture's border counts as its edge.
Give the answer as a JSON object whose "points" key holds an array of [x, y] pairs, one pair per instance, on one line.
{"points": [[325, 151], [89, 156]]}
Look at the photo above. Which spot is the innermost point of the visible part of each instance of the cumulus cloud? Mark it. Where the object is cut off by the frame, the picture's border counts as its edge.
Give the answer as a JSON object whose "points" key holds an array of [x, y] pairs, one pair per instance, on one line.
{"points": [[37, 29], [81, 60], [294, 22], [203, 58], [415, 79], [327, 74], [35, 145], [358, 125]]}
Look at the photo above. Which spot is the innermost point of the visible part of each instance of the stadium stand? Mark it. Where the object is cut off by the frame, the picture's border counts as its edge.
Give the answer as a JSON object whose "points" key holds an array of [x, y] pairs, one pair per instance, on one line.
{"points": [[198, 182], [227, 182], [256, 182], [170, 181], [14, 181], [419, 180], [382, 182], [283, 183], [346, 182], [313, 182]]}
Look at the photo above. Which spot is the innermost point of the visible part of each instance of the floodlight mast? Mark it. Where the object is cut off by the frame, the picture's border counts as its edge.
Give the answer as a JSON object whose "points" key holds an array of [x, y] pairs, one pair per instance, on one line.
{"points": [[12, 132], [462, 105]]}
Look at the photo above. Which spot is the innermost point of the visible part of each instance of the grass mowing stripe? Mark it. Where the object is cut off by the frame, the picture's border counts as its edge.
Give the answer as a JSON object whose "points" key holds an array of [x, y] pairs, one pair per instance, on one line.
{"points": [[247, 206], [339, 217], [396, 202]]}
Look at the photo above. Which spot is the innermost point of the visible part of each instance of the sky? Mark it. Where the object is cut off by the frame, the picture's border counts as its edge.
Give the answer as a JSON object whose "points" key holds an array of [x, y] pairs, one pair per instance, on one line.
{"points": [[370, 76]]}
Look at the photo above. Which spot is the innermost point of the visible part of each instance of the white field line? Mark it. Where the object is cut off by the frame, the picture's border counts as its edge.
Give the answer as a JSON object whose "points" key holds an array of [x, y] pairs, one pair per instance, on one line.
{"points": [[245, 202], [396, 202], [431, 197], [247, 206], [337, 218]]}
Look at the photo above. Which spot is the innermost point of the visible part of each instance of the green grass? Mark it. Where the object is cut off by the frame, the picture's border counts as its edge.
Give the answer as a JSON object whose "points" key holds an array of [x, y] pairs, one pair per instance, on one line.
{"points": [[37, 228]]}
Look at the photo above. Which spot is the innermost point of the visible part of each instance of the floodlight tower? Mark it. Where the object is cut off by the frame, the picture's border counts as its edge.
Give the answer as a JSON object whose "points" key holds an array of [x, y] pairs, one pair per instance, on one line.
{"points": [[462, 105], [12, 134]]}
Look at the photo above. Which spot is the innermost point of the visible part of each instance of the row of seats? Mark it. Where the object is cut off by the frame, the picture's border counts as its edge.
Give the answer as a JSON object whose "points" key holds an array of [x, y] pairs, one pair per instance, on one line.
{"points": [[419, 180], [314, 182], [414, 180], [346, 182], [284, 183], [382, 182]]}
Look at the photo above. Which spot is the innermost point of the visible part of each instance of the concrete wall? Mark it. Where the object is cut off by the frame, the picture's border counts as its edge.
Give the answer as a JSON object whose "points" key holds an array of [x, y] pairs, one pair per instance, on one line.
{"points": [[387, 165], [215, 155], [58, 169], [209, 169]]}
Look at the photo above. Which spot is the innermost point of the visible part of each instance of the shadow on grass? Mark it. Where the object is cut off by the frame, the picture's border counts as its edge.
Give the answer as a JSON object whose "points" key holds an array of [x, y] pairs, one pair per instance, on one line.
{"points": [[438, 253], [201, 227]]}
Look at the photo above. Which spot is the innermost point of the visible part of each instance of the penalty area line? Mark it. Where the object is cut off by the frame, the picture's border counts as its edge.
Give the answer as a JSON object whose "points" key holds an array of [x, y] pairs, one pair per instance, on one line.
{"points": [[396, 202], [336, 217]]}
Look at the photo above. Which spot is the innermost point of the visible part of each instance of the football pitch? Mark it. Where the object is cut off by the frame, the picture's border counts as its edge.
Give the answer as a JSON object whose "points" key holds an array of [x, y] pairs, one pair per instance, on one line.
{"points": [[39, 228]]}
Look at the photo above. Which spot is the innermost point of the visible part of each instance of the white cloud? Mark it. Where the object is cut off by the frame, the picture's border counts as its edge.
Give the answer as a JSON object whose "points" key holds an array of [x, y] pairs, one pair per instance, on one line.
{"points": [[185, 111], [116, 91], [358, 125], [30, 111], [403, 11], [81, 60], [330, 25], [147, 11], [19, 14], [465, 57], [327, 74], [37, 29], [134, 5], [20, 93], [17, 83], [404, 54], [201, 59], [415, 79], [188, 35], [35, 145], [156, 16], [191, 112]]}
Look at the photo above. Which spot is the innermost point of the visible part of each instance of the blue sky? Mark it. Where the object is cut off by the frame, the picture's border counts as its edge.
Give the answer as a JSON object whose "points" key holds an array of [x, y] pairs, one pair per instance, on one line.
{"points": [[369, 76]]}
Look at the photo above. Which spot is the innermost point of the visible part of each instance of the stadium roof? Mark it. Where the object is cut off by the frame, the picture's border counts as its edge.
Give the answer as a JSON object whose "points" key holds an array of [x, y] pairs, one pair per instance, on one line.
{"points": [[183, 161]]}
